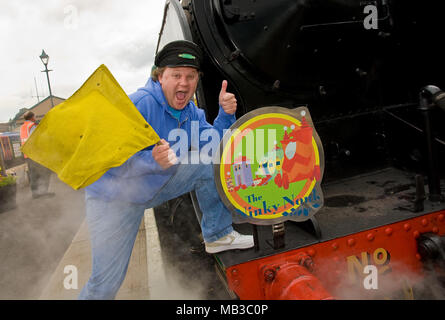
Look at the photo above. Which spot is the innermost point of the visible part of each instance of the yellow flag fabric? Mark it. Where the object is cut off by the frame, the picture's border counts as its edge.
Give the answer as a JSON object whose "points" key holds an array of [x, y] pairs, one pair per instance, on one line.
{"points": [[96, 129]]}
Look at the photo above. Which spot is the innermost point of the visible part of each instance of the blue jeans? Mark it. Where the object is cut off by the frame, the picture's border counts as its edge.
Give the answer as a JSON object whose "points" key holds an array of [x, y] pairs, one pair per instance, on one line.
{"points": [[113, 226]]}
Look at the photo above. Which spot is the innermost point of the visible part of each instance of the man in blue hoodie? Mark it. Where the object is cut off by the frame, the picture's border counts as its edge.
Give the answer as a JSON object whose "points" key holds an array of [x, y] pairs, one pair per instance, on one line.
{"points": [[115, 204]]}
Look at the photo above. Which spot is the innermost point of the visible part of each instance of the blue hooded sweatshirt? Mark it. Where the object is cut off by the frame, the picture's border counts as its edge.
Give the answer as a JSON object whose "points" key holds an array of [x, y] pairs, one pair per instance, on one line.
{"points": [[141, 177]]}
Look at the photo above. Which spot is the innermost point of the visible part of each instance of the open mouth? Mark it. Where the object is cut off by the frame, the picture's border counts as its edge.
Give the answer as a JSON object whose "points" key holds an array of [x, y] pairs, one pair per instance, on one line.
{"points": [[181, 95]]}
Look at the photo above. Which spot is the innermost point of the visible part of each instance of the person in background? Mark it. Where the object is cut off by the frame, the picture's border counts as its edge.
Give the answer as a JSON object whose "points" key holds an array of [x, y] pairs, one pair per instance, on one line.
{"points": [[115, 203], [38, 175]]}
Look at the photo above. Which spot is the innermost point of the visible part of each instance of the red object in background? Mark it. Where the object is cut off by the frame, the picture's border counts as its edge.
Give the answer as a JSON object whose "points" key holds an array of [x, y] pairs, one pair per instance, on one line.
{"points": [[6, 148]]}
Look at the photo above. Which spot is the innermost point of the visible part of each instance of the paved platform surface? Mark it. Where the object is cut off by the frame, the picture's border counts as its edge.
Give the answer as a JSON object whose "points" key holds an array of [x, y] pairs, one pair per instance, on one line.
{"points": [[42, 240], [78, 257], [41, 237], [35, 235]]}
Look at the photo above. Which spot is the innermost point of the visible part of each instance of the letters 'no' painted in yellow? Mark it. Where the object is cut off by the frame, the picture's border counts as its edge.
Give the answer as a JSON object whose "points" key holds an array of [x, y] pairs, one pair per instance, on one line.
{"points": [[96, 129]]}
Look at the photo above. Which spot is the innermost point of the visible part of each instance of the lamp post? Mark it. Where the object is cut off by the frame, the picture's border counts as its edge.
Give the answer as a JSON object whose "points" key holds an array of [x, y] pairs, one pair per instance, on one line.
{"points": [[45, 58]]}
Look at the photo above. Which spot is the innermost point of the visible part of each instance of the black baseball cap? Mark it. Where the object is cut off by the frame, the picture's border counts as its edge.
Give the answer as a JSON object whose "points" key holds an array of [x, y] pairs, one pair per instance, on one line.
{"points": [[181, 53]]}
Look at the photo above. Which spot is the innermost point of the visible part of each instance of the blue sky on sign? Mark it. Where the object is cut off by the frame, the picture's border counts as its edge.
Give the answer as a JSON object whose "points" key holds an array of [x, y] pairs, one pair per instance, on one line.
{"points": [[78, 36]]}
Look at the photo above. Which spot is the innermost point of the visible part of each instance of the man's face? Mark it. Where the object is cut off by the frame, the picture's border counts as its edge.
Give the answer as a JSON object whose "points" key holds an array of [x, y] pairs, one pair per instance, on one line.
{"points": [[179, 85]]}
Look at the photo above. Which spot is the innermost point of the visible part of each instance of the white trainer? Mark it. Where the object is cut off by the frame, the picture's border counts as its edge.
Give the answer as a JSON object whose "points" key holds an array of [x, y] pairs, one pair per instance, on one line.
{"points": [[232, 241]]}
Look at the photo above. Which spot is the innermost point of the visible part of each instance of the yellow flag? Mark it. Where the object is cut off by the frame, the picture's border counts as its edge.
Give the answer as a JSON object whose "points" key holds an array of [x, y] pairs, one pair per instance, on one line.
{"points": [[96, 129]]}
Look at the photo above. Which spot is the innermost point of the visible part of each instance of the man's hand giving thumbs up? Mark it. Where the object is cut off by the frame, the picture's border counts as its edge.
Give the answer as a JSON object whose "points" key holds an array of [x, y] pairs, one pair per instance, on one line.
{"points": [[227, 100]]}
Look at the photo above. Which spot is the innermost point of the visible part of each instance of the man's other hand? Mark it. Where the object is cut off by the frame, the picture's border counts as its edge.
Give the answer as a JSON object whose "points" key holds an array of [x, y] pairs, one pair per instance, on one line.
{"points": [[163, 155]]}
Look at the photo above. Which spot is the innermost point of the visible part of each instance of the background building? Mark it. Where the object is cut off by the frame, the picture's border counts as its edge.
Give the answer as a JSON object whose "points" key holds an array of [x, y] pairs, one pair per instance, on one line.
{"points": [[10, 153], [39, 109], [4, 127]]}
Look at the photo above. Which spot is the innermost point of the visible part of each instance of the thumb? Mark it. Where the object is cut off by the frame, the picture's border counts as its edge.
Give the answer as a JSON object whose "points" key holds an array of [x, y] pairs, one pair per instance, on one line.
{"points": [[162, 142], [224, 87]]}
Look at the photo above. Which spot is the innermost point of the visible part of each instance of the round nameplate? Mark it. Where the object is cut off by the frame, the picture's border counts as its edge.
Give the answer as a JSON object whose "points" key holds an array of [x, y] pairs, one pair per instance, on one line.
{"points": [[270, 166]]}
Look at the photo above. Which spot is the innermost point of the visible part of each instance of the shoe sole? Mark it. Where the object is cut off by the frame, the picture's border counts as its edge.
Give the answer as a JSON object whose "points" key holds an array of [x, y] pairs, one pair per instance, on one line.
{"points": [[229, 247]]}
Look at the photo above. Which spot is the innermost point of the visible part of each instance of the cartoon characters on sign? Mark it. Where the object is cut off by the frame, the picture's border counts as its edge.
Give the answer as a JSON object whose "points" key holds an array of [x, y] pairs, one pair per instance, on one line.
{"points": [[271, 167], [299, 160], [242, 171]]}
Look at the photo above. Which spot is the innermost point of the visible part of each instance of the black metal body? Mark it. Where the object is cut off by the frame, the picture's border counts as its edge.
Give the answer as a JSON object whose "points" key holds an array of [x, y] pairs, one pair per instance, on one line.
{"points": [[432, 251], [362, 89], [318, 53]]}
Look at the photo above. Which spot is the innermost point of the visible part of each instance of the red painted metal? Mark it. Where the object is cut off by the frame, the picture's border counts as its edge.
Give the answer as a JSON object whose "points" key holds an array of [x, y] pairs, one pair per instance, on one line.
{"points": [[291, 281], [336, 265]]}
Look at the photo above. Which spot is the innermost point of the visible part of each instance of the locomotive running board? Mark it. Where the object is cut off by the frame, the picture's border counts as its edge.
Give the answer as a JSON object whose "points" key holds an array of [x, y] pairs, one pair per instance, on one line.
{"points": [[352, 205]]}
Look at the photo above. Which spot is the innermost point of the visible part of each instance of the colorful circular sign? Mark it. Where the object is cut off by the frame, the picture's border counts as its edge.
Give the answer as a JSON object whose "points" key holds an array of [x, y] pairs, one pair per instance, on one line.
{"points": [[271, 166]]}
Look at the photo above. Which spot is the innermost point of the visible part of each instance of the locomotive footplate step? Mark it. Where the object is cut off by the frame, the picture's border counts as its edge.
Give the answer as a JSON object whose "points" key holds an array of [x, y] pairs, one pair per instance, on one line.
{"points": [[382, 197]]}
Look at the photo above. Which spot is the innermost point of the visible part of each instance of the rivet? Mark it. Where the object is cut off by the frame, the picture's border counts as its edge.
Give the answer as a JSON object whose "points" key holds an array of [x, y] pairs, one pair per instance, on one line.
{"points": [[424, 222], [351, 242], [416, 234], [407, 226], [269, 275], [435, 229], [311, 252], [235, 272], [388, 231], [418, 257], [236, 283], [370, 236], [441, 217], [335, 246]]}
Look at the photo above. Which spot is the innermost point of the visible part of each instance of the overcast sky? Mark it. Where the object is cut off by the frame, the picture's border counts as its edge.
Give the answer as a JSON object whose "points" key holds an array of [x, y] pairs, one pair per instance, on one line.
{"points": [[78, 36]]}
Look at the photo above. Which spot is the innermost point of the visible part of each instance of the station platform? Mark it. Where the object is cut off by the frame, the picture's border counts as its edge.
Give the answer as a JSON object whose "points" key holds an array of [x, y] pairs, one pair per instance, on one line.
{"points": [[136, 285], [42, 239]]}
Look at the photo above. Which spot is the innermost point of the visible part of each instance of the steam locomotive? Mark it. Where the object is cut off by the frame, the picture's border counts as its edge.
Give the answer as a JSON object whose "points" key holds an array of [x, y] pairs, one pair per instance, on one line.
{"points": [[373, 91]]}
